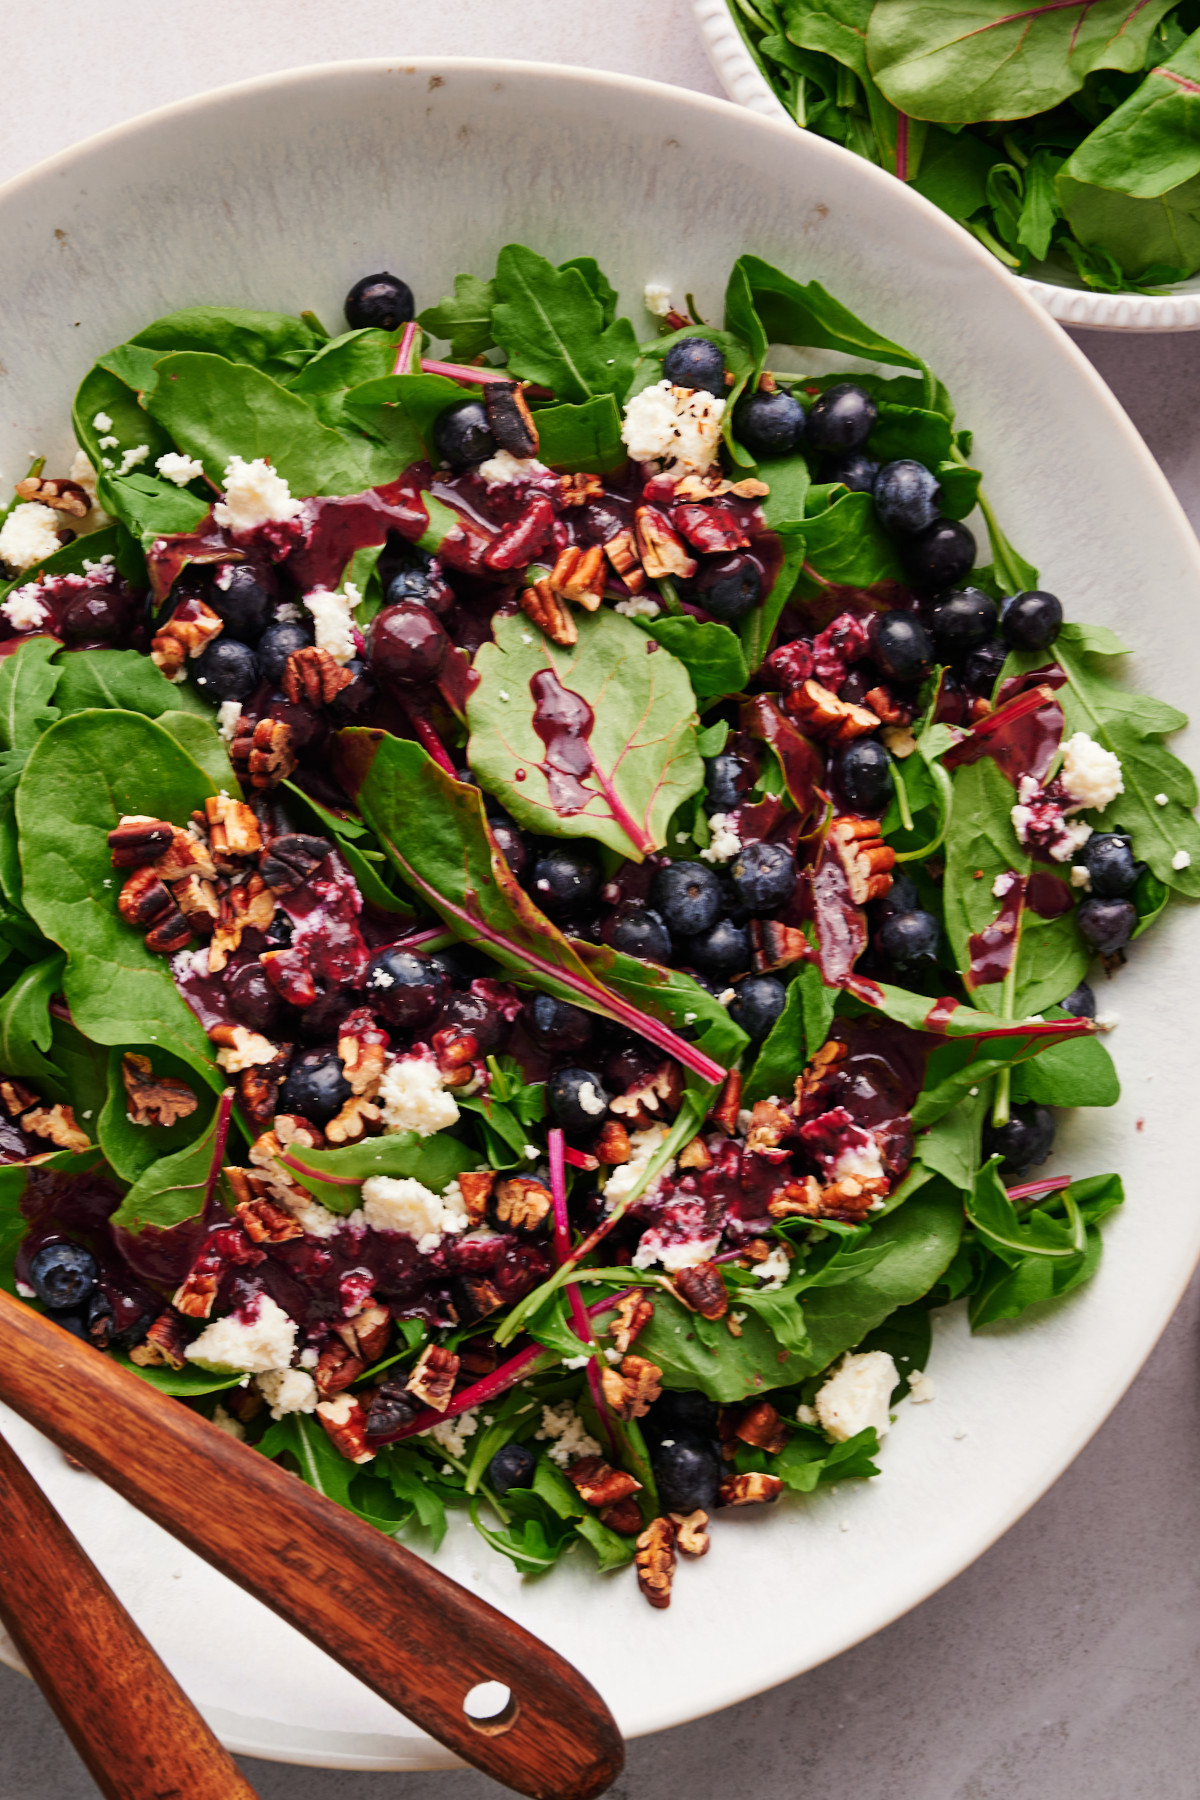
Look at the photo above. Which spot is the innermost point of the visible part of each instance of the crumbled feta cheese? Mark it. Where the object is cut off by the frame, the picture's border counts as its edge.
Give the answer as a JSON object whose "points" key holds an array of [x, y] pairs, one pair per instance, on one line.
{"points": [[624, 1178], [23, 609], [254, 495], [921, 1387], [102, 422], [1002, 884], [724, 843], [1090, 773], [1181, 860], [656, 298], [859, 1159], [591, 1102], [504, 467], [641, 606], [402, 1204], [226, 1422], [806, 1415], [250, 1346], [228, 714], [333, 617], [25, 1291], [288, 613], [287, 1391], [1160, 799], [532, 1152], [108, 443], [1080, 878], [682, 426], [131, 458], [576, 1362], [179, 469], [313, 1219], [857, 1395], [451, 1434], [723, 999], [686, 1255], [569, 1441], [774, 1269], [29, 535]]}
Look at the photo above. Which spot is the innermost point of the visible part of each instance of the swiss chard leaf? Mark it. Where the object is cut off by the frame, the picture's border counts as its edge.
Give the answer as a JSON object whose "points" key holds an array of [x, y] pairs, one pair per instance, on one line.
{"points": [[1150, 144], [335, 1177], [173, 1188], [552, 327]]}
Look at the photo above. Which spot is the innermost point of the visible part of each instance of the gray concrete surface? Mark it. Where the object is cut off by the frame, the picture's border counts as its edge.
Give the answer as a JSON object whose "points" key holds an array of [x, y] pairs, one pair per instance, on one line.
{"points": [[1066, 1662]]}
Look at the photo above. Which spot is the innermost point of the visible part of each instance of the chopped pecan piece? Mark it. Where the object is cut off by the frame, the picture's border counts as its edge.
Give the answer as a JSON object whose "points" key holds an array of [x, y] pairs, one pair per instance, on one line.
{"points": [[749, 1490], [187, 854], [361, 1048], [579, 575], [762, 1426], [15, 1097], [769, 1126], [345, 1419], [58, 1124], [819, 1068], [241, 1048], [655, 1561], [509, 418], [61, 495], [358, 1116], [163, 1345], [258, 1090], [820, 713], [543, 606], [368, 1332], [691, 1532], [613, 1145], [191, 626], [633, 1389], [887, 708], [662, 550], [289, 973], [169, 934], [475, 1297], [624, 1516], [702, 1290], [312, 675], [621, 552], [233, 829], [521, 1204], [196, 1296], [696, 1155], [262, 752], [725, 1113], [712, 487], [139, 839], [480, 1356], [799, 1198], [144, 901], [867, 860], [154, 1099], [577, 490], [599, 1483], [248, 906], [433, 1377], [630, 1316], [652, 1101], [477, 1185], [197, 901], [262, 1219], [851, 1197], [291, 858], [337, 1369], [776, 945]]}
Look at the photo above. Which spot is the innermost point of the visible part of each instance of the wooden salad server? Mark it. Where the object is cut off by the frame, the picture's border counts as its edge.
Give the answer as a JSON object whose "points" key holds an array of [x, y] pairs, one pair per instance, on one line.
{"points": [[131, 1722], [417, 1638]]}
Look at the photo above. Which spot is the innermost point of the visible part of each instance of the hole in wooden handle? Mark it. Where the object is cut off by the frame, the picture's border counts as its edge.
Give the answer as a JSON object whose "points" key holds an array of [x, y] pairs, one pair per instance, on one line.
{"points": [[491, 1708]]}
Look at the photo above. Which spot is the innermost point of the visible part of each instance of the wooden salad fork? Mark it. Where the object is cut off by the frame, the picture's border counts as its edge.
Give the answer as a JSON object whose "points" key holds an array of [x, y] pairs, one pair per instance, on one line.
{"points": [[417, 1638], [135, 1728]]}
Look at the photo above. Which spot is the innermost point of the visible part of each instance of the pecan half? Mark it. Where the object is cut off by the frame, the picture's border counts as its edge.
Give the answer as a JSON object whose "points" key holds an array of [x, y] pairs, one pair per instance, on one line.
{"points": [[652, 1101], [190, 628], [725, 1113], [345, 1419], [475, 1297], [477, 1185], [241, 1048], [509, 418], [655, 1562], [15, 1097], [613, 1145], [776, 945], [163, 1345], [851, 1197], [312, 675], [546, 610], [702, 1290], [630, 1316], [662, 550], [368, 1332], [624, 1516], [884, 704], [761, 1426], [696, 1155], [139, 839], [867, 860], [632, 1389], [597, 1482], [169, 934], [521, 1204], [154, 1099], [769, 1126], [144, 901], [579, 575], [63, 496], [196, 1296], [233, 830], [263, 753], [248, 906], [749, 1490], [358, 1116], [691, 1532], [262, 1219], [187, 854], [58, 1124], [291, 858], [258, 1090], [337, 1369], [621, 552], [433, 1377], [197, 901], [362, 1047], [820, 713]]}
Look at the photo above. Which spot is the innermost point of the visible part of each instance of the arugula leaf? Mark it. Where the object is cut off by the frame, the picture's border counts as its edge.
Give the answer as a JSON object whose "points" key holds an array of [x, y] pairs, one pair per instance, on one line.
{"points": [[810, 318], [26, 1031], [335, 1177], [809, 1460], [304, 1441], [28, 681], [552, 327], [710, 653], [598, 284], [796, 1035], [465, 317], [619, 763], [550, 1484]]}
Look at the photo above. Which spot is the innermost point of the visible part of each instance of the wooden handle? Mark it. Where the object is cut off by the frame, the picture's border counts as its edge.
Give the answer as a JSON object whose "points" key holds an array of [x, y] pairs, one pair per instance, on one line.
{"points": [[410, 1633], [131, 1722]]}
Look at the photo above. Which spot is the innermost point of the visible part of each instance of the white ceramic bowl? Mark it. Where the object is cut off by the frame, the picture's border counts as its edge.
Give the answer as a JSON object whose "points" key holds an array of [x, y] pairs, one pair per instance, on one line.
{"points": [[282, 192], [1176, 309]]}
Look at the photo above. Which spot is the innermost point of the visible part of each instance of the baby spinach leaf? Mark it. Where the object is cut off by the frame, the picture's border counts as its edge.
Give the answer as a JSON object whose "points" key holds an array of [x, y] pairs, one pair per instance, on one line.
{"points": [[423, 399], [276, 343], [710, 653], [604, 733], [124, 679], [72, 558], [341, 365], [911, 432], [172, 1188], [82, 775], [374, 408], [29, 679], [1077, 1073], [335, 1177], [954, 171], [586, 437], [198, 736], [907, 1337], [1152, 142], [151, 507], [846, 546], [553, 329], [188, 1383], [106, 394], [26, 1031], [130, 1149], [788, 479], [810, 318], [465, 317]]}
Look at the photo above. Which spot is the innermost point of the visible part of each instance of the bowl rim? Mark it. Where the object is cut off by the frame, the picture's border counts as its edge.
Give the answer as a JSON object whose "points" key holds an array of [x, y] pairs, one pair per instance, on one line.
{"points": [[743, 81], [1081, 1427]]}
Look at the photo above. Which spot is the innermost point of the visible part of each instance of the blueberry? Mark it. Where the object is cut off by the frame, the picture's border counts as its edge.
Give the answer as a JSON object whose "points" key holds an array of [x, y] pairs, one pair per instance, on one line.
{"points": [[565, 876], [861, 774], [695, 363], [1080, 1002], [724, 948], [681, 1412], [407, 643], [473, 1013], [843, 418], [1024, 1142], [688, 1474], [688, 895], [757, 1004], [426, 584], [556, 1024], [462, 435], [382, 300], [315, 1088], [511, 1467], [856, 472], [63, 1275], [1031, 621], [577, 1099], [728, 587], [275, 646], [514, 845], [456, 964], [243, 597], [906, 496], [901, 645], [252, 1000], [961, 622], [1106, 925], [356, 696], [941, 556], [983, 666], [910, 940], [638, 930], [903, 896], [768, 424], [1108, 858], [728, 779], [98, 1320], [405, 988], [764, 876], [226, 670]]}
